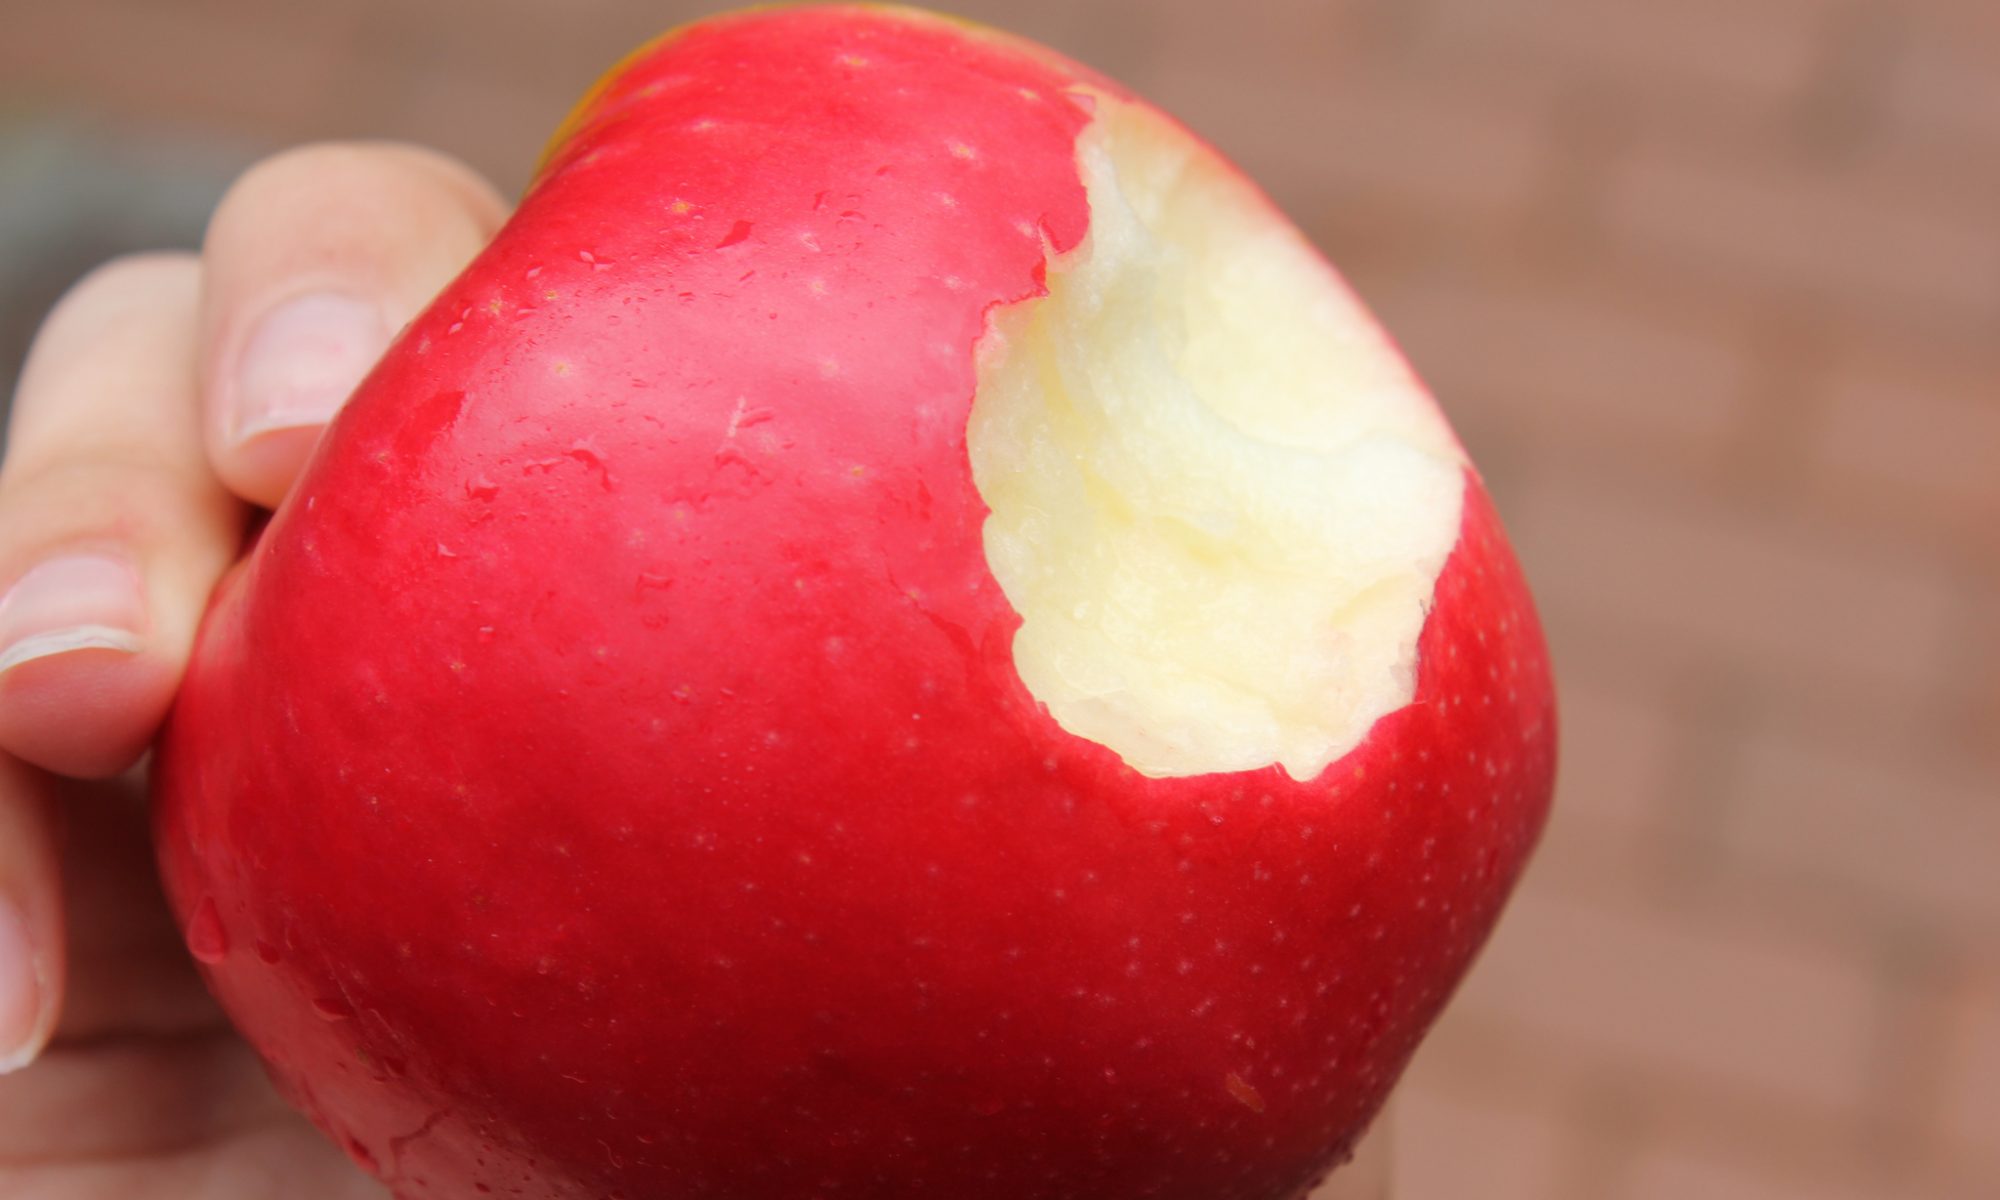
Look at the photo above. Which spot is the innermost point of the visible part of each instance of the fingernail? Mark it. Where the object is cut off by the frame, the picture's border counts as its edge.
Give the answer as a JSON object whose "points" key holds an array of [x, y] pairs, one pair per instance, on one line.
{"points": [[301, 361], [21, 992], [75, 602]]}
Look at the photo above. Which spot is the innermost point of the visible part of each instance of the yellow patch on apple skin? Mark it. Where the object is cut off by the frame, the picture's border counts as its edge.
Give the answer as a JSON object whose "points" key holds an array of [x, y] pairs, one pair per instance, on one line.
{"points": [[1239, 1090], [1219, 499], [580, 112]]}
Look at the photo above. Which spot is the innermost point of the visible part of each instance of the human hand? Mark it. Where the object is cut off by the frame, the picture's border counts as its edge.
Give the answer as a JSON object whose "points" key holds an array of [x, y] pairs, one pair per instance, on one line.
{"points": [[163, 398]]}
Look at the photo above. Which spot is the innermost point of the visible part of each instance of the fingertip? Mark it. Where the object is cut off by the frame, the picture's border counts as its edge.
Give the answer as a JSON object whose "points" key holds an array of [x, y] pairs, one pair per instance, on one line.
{"points": [[262, 461], [95, 632], [112, 530], [314, 259], [299, 360], [26, 1019], [87, 712], [31, 933]]}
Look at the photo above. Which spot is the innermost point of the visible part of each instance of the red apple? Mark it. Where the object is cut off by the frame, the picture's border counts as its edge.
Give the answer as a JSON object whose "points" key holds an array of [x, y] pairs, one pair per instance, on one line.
{"points": [[898, 634]]}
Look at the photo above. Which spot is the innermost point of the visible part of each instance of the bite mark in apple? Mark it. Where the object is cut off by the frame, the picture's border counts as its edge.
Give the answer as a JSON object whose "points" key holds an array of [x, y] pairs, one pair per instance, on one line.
{"points": [[1256, 496]]}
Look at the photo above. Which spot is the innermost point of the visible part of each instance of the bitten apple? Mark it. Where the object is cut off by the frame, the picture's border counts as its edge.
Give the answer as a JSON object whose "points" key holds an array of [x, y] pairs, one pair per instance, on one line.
{"points": [[899, 634]]}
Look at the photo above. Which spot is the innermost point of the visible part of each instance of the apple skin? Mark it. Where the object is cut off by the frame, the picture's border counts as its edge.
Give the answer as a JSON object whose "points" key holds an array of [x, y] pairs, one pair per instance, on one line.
{"points": [[607, 774]]}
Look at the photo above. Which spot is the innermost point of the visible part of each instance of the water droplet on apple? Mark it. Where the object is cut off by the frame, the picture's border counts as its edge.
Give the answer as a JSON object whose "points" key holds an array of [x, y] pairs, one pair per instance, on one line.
{"points": [[267, 953], [206, 939]]}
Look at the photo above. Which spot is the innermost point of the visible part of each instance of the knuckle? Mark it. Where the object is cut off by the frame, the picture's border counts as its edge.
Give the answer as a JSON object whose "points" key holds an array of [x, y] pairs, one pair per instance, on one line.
{"points": [[302, 178], [281, 180], [118, 277], [298, 181], [115, 493], [307, 161]]}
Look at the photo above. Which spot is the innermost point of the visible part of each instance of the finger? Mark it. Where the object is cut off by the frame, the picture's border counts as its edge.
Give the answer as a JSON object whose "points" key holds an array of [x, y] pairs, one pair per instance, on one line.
{"points": [[112, 529], [31, 933], [314, 259], [103, 964], [141, 1061], [1367, 1175]]}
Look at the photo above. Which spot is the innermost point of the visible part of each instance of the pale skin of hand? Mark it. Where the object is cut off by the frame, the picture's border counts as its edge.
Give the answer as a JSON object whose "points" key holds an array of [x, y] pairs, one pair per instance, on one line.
{"points": [[164, 398]]}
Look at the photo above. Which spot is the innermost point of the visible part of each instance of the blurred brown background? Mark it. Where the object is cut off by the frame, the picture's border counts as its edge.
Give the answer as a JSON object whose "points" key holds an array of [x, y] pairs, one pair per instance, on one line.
{"points": [[1712, 289]]}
